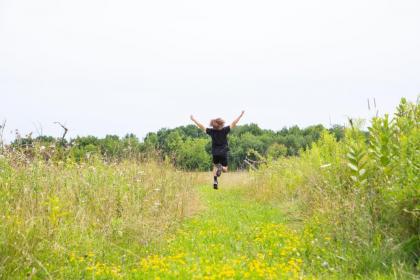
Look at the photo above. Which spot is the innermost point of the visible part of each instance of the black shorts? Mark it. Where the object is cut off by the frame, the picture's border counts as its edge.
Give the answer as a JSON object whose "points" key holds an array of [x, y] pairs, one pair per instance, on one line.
{"points": [[222, 159]]}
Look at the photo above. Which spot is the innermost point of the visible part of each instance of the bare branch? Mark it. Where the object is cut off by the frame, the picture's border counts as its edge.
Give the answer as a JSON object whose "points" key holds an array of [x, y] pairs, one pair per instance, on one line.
{"points": [[65, 130], [250, 164], [253, 163]]}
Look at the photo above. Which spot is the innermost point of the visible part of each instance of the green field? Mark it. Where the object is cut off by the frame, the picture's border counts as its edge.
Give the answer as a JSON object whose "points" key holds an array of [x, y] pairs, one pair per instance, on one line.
{"points": [[233, 237], [345, 209]]}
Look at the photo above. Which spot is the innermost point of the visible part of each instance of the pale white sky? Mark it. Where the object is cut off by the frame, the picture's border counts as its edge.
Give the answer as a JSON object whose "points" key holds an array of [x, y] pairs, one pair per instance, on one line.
{"points": [[112, 67]]}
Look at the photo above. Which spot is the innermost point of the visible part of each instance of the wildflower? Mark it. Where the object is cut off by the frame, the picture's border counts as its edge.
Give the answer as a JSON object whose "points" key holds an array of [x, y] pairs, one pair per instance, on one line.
{"points": [[260, 256], [72, 257]]}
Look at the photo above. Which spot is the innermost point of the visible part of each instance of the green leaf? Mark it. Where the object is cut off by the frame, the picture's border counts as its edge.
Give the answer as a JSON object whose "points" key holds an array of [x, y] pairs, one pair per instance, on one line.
{"points": [[351, 156], [353, 167]]}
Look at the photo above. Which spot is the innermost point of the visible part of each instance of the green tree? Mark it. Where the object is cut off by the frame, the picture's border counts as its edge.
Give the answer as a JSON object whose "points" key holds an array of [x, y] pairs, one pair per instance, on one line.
{"points": [[276, 151], [192, 155]]}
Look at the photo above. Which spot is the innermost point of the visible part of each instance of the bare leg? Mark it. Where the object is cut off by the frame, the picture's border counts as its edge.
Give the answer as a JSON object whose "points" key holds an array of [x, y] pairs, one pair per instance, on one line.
{"points": [[215, 183], [225, 168], [215, 170]]}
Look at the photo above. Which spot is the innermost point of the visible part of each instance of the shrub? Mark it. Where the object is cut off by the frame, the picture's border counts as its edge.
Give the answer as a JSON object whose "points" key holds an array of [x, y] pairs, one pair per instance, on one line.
{"points": [[362, 192]]}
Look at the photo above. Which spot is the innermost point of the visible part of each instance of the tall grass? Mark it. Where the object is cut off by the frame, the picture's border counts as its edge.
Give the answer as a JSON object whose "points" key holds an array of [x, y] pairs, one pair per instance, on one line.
{"points": [[356, 203], [53, 214], [363, 194]]}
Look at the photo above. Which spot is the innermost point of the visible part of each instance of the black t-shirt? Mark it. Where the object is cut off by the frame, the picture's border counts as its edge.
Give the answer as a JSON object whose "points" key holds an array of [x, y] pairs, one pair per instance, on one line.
{"points": [[219, 145]]}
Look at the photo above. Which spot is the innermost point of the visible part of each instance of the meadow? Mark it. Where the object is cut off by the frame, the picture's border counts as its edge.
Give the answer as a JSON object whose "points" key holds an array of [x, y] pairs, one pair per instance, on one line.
{"points": [[342, 209]]}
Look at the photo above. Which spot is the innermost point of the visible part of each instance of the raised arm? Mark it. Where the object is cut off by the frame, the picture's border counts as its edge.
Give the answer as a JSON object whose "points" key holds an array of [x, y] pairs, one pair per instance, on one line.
{"points": [[235, 122], [199, 125]]}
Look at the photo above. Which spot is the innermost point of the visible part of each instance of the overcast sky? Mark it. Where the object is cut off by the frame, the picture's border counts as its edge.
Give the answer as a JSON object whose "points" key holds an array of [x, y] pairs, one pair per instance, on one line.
{"points": [[112, 67]]}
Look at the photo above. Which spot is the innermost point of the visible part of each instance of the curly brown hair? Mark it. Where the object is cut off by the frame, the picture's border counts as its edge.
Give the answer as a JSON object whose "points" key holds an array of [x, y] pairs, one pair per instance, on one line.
{"points": [[217, 123]]}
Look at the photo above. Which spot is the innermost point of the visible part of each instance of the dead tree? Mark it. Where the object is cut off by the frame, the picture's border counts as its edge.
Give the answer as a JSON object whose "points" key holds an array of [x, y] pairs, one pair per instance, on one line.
{"points": [[65, 131], [253, 163]]}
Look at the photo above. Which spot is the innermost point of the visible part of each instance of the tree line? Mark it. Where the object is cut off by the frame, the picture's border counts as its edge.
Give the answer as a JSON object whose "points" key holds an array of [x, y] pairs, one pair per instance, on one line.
{"points": [[187, 147]]}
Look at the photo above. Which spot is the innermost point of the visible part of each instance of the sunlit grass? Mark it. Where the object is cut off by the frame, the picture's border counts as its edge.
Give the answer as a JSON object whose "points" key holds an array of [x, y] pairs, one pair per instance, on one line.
{"points": [[66, 220], [135, 220], [231, 239]]}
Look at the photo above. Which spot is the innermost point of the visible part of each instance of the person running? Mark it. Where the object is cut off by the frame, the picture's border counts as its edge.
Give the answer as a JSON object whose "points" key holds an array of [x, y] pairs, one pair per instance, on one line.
{"points": [[220, 146]]}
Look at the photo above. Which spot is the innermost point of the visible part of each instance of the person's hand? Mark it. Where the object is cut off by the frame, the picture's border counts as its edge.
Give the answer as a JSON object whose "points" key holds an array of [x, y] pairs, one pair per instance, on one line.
{"points": [[242, 113], [192, 117]]}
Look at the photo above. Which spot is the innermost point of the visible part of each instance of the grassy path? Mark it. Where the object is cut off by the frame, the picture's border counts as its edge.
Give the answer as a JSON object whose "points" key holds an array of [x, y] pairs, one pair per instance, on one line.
{"points": [[233, 238]]}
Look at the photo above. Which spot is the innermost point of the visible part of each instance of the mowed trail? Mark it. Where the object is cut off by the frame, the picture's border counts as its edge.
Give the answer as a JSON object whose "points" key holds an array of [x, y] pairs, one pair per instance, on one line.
{"points": [[233, 238]]}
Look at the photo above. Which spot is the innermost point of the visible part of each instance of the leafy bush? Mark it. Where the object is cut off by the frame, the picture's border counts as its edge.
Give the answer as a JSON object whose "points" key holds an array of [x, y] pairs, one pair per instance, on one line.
{"points": [[362, 192]]}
